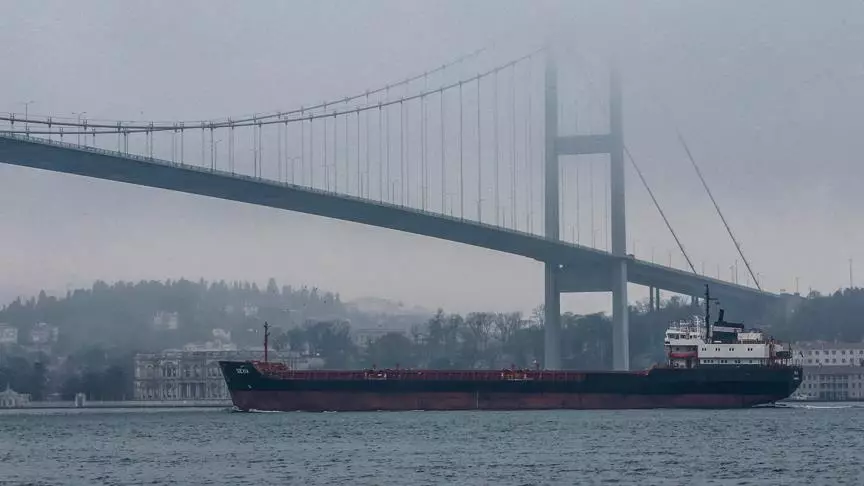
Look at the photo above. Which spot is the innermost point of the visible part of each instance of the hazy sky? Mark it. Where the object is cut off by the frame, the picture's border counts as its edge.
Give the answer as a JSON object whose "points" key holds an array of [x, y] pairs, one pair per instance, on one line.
{"points": [[768, 94]]}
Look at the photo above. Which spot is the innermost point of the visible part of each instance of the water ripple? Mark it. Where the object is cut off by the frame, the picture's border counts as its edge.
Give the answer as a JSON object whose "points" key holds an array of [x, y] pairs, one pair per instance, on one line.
{"points": [[800, 446]]}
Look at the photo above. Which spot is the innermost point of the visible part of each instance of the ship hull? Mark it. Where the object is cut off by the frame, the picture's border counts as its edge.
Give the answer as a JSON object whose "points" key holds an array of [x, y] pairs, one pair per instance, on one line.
{"points": [[737, 387]]}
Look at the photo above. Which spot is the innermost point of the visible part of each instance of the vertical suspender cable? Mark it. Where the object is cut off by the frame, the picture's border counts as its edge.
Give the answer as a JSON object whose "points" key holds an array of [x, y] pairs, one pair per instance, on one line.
{"points": [[528, 155], [407, 198], [380, 154], [173, 143], [495, 144], [324, 164], [479, 160], [591, 196], [302, 149], [513, 145], [357, 148], [368, 192], [461, 159], [335, 153], [279, 151], [291, 159], [347, 155], [443, 162], [212, 149], [311, 152], [387, 140], [260, 151], [203, 143], [424, 172]]}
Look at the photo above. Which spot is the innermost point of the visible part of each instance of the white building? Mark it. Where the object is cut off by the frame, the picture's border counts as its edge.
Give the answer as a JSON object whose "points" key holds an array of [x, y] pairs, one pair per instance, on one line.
{"points": [[250, 310], [11, 399], [832, 371], [8, 334], [195, 375], [166, 321], [44, 333], [831, 383], [365, 336], [828, 354]]}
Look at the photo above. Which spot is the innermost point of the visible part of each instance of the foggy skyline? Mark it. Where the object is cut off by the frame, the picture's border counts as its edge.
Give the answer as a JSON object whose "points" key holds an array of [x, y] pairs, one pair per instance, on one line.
{"points": [[766, 97]]}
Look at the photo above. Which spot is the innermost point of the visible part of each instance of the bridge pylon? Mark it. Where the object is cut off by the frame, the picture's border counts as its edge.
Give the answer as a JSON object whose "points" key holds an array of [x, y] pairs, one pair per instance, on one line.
{"points": [[565, 278]]}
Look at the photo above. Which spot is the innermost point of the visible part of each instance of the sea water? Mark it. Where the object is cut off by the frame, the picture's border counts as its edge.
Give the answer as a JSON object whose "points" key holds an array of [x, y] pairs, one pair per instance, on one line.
{"points": [[797, 445]]}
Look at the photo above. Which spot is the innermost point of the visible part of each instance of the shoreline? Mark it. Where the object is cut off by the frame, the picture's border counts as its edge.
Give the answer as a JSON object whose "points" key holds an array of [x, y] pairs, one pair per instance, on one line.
{"points": [[62, 405]]}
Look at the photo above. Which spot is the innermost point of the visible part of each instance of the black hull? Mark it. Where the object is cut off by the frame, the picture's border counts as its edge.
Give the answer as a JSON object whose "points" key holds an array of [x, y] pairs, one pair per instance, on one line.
{"points": [[705, 387]]}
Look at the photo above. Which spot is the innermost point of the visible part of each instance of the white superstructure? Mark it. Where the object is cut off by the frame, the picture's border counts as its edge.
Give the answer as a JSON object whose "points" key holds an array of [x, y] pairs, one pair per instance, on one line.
{"points": [[691, 343]]}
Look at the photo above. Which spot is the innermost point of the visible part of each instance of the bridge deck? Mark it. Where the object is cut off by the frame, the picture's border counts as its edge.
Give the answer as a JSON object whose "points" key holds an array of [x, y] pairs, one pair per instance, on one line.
{"points": [[142, 171]]}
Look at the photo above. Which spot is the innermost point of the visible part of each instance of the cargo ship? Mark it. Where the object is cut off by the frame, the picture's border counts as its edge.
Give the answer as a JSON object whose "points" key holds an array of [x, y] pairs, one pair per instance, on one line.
{"points": [[719, 365]]}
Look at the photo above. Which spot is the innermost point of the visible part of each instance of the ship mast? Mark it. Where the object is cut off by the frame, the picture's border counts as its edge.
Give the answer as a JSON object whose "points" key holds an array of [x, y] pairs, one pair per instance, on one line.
{"points": [[266, 339], [708, 300]]}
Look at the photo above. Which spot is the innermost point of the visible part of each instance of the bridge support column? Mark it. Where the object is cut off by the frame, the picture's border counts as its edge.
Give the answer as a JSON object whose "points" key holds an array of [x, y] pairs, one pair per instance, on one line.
{"points": [[552, 292], [552, 318], [620, 311], [651, 299]]}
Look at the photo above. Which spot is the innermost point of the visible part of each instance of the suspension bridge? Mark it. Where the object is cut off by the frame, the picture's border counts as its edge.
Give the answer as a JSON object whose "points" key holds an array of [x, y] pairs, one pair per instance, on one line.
{"points": [[472, 159]]}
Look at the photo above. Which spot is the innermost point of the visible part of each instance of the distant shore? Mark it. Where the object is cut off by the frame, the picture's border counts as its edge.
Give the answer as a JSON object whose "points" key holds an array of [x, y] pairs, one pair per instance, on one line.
{"points": [[128, 404]]}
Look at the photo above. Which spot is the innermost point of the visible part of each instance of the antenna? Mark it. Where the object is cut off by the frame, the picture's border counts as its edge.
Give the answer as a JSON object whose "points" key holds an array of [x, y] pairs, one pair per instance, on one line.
{"points": [[267, 338]]}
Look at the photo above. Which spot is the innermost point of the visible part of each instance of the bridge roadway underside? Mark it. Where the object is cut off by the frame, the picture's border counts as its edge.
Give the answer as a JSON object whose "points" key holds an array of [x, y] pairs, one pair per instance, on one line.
{"points": [[583, 269]]}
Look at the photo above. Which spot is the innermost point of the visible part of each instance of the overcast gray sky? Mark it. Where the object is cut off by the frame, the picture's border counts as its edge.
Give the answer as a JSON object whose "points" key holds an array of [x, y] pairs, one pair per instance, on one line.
{"points": [[769, 95]]}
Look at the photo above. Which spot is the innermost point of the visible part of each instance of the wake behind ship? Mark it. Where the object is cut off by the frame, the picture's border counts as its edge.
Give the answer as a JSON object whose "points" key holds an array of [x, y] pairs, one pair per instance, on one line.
{"points": [[707, 366]]}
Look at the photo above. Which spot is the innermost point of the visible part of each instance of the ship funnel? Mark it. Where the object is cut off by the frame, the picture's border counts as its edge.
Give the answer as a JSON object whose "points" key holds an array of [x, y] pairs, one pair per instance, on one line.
{"points": [[720, 317]]}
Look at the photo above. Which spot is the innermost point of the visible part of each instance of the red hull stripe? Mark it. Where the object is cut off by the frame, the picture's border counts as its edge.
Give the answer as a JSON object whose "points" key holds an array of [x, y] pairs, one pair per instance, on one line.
{"points": [[318, 401]]}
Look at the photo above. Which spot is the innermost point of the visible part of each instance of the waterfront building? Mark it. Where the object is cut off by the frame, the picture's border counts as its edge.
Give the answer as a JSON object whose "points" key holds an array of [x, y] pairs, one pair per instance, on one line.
{"points": [[819, 353], [9, 398], [833, 371], [194, 374], [831, 383]]}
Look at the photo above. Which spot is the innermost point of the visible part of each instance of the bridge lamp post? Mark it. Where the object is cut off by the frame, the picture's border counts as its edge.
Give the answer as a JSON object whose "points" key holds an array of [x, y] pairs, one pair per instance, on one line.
{"points": [[292, 160], [27, 116], [215, 153], [79, 123]]}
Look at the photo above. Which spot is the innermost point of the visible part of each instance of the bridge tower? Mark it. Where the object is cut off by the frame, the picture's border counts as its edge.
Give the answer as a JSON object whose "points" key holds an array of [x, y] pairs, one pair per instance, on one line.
{"points": [[563, 278]]}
